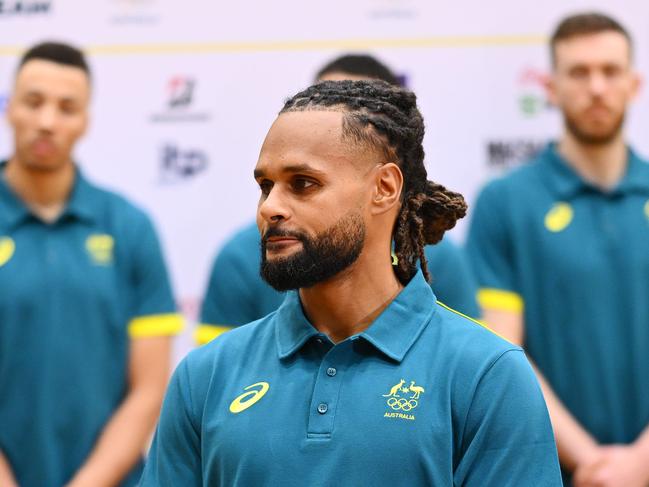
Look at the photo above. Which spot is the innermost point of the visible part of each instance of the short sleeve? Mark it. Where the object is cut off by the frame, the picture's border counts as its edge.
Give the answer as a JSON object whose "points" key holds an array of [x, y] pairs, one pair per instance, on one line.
{"points": [[153, 311], [175, 455], [507, 438], [490, 252], [452, 279], [230, 298]]}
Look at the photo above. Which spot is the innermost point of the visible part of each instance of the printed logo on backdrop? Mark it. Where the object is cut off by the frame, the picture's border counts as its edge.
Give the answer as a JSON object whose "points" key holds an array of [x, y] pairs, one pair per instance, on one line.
{"points": [[179, 102], [135, 12], [17, 7], [393, 9], [181, 92], [505, 154], [180, 164], [532, 100]]}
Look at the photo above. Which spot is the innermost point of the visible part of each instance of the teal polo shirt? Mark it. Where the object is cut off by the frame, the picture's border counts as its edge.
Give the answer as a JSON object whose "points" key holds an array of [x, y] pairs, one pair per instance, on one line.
{"points": [[575, 261], [236, 293], [73, 294], [424, 396]]}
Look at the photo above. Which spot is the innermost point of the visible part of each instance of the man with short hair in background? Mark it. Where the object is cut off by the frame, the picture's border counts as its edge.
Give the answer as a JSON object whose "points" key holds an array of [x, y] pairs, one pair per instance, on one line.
{"points": [[236, 294], [561, 251], [86, 308]]}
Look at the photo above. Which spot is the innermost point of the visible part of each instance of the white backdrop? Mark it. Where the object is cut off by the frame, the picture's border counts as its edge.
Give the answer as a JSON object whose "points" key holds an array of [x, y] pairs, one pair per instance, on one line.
{"points": [[184, 93]]}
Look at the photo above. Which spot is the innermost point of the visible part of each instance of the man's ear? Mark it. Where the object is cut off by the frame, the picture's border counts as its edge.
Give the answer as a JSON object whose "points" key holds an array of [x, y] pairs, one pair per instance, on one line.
{"points": [[637, 82], [10, 110], [388, 184]]}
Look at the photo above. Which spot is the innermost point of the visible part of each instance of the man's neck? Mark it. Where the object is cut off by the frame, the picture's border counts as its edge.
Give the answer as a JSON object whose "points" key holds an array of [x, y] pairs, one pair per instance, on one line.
{"points": [[45, 193], [348, 303], [602, 165]]}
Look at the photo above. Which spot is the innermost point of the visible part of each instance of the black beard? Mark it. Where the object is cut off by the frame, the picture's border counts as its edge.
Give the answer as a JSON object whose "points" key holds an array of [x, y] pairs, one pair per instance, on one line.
{"points": [[321, 258], [588, 138]]}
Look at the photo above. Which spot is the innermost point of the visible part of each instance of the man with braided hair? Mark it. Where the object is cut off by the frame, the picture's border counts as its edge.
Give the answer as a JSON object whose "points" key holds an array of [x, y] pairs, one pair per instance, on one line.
{"points": [[236, 294], [360, 377]]}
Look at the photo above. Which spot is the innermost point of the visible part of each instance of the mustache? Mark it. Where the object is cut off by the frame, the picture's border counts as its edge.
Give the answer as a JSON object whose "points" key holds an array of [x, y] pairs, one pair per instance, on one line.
{"points": [[598, 103], [43, 136], [279, 232]]}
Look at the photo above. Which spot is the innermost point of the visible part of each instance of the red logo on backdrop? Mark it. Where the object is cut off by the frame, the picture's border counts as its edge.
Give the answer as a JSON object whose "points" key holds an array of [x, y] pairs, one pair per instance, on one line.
{"points": [[179, 101], [532, 76], [181, 91], [532, 100]]}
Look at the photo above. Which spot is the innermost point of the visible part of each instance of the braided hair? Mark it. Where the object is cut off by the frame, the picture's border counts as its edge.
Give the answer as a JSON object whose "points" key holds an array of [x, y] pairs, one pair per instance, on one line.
{"points": [[386, 118]]}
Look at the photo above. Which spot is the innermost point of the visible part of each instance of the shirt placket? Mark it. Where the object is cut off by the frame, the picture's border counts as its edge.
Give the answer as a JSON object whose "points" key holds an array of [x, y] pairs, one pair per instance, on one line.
{"points": [[326, 390]]}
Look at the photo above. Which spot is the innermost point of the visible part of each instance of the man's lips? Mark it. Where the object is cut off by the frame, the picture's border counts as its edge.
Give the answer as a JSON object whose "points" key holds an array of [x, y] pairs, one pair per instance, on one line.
{"points": [[278, 243], [281, 239], [597, 111], [43, 146]]}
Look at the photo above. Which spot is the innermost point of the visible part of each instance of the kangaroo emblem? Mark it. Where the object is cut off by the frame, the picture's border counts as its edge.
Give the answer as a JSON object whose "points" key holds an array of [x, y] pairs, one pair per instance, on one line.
{"points": [[395, 389], [416, 390]]}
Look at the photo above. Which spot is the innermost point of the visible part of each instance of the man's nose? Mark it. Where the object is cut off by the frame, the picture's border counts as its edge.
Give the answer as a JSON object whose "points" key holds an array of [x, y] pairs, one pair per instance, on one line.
{"points": [[47, 117], [274, 207], [597, 84]]}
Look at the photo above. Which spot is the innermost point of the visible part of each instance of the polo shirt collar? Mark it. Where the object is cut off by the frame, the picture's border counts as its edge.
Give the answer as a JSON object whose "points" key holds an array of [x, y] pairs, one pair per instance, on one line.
{"points": [[80, 203], [11, 207], [393, 332], [636, 178], [566, 183]]}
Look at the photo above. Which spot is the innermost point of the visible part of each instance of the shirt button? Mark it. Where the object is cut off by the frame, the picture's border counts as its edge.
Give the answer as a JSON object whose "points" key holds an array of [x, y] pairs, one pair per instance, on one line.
{"points": [[322, 408], [331, 371]]}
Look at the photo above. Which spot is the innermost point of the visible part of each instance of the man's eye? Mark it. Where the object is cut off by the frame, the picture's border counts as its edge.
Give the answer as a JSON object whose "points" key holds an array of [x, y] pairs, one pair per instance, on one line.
{"points": [[69, 109], [265, 187], [32, 102], [303, 184], [579, 73], [612, 71]]}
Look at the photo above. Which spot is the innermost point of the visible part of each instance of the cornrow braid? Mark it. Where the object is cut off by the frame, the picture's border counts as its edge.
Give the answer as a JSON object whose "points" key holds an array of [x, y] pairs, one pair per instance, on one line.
{"points": [[386, 118]]}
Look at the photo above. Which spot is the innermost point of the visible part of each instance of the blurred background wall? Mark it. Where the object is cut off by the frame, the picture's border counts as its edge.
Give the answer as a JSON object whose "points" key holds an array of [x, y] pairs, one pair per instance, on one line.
{"points": [[184, 92]]}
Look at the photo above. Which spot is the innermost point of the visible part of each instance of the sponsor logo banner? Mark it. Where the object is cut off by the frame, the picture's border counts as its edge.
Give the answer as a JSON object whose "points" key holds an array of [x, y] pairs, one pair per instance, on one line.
{"points": [[505, 154], [15, 8], [532, 100], [179, 104], [179, 164], [135, 12]]}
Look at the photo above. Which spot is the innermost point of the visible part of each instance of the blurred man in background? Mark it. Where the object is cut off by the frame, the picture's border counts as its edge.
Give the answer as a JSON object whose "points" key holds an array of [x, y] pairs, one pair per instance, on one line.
{"points": [[561, 251], [237, 295], [85, 304]]}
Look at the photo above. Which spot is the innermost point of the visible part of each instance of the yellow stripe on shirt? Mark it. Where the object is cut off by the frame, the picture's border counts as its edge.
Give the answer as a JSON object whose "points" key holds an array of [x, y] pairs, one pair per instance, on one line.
{"points": [[477, 322], [499, 299], [205, 333], [156, 325]]}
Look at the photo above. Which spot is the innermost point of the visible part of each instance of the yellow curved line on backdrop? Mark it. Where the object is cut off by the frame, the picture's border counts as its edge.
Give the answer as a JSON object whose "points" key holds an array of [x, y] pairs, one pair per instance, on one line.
{"points": [[303, 45]]}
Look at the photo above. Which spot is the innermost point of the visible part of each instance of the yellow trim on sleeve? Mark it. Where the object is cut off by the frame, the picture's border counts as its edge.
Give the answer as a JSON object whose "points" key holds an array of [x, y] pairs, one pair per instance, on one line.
{"points": [[156, 325], [205, 333], [477, 322], [490, 298]]}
